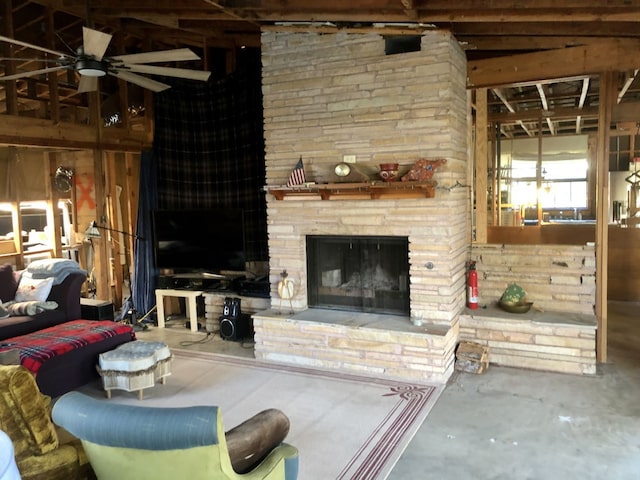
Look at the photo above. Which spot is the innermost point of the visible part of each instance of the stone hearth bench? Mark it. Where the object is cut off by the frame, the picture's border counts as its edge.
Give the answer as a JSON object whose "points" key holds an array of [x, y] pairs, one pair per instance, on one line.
{"points": [[550, 341], [360, 343], [64, 357]]}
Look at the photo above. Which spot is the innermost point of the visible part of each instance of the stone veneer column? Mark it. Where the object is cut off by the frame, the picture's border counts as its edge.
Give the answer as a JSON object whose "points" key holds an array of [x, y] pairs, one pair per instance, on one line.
{"points": [[330, 95]]}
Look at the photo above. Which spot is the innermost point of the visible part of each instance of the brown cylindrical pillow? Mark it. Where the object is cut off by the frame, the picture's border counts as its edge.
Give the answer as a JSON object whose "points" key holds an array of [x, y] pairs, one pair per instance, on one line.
{"points": [[252, 440]]}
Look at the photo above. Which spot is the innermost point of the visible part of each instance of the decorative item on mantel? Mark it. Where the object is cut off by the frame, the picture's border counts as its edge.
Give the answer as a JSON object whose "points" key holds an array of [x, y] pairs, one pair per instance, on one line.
{"points": [[348, 182], [297, 176], [423, 170], [389, 172], [345, 173], [514, 298]]}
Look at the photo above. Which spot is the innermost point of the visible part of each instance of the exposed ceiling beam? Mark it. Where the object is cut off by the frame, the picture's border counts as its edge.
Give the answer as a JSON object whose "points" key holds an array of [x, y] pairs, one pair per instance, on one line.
{"points": [[545, 107], [528, 43], [24, 131], [500, 94], [582, 99], [629, 80], [527, 68], [533, 115]]}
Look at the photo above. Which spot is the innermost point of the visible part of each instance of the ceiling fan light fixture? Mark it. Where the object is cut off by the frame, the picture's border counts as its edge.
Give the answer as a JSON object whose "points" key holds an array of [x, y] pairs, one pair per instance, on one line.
{"points": [[91, 68]]}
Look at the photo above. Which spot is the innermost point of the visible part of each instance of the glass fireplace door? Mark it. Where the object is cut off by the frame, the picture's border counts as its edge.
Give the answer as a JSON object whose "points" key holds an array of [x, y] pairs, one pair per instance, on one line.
{"points": [[360, 273]]}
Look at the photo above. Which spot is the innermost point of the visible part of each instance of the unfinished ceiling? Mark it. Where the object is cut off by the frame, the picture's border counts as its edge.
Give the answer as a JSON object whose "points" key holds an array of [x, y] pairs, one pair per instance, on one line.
{"points": [[218, 31]]}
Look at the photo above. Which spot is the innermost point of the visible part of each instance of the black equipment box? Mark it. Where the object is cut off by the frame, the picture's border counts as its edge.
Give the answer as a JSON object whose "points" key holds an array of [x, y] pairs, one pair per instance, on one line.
{"points": [[255, 288], [93, 309]]}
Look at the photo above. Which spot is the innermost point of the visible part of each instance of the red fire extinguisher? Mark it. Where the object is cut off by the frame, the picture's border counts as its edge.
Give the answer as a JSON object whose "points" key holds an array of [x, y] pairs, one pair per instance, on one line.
{"points": [[472, 286]]}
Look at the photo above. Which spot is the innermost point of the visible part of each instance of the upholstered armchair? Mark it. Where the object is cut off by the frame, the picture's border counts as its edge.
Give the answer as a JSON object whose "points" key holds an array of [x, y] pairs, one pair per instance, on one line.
{"points": [[25, 416], [135, 442]]}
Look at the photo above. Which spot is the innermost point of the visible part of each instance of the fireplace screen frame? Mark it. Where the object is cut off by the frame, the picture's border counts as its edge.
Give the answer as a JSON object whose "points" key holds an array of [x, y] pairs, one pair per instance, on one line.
{"points": [[359, 273]]}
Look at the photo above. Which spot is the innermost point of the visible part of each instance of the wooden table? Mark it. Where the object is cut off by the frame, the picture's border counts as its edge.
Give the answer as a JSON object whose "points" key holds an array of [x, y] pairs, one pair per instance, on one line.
{"points": [[189, 295]]}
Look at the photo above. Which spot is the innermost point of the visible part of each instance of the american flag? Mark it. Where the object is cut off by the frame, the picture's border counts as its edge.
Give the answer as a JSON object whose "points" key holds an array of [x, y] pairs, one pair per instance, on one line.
{"points": [[297, 175]]}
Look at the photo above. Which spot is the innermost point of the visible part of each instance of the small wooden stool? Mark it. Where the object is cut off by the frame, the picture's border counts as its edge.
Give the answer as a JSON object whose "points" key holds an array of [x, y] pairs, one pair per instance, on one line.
{"points": [[134, 366]]}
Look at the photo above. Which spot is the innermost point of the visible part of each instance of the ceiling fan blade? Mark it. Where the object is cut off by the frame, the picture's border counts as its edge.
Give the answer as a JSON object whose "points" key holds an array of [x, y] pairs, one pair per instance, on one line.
{"points": [[35, 47], [139, 80], [25, 59], [170, 72], [87, 84], [177, 55], [33, 73], [95, 43]]}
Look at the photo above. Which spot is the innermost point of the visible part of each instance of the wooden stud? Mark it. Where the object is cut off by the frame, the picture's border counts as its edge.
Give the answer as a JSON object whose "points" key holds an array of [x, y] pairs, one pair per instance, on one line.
{"points": [[53, 217], [607, 100], [481, 152]]}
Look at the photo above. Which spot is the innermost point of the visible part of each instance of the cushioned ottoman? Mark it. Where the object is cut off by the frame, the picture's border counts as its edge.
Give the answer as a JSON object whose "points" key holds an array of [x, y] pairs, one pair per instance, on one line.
{"points": [[134, 366]]}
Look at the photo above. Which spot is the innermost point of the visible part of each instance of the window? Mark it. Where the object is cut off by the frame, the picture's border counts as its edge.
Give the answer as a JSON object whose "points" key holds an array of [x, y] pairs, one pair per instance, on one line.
{"points": [[564, 183], [541, 181]]}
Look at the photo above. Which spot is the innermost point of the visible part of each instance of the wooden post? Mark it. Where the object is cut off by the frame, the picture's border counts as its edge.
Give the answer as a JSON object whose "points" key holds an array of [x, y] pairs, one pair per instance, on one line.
{"points": [[101, 264], [16, 216], [481, 166], [607, 100], [496, 201], [539, 174], [16, 220], [115, 246], [132, 169], [53, 212]]}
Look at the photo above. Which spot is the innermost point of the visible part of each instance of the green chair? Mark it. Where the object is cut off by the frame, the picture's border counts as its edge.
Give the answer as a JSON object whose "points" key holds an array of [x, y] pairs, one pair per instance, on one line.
{"points": [[134, 442]]}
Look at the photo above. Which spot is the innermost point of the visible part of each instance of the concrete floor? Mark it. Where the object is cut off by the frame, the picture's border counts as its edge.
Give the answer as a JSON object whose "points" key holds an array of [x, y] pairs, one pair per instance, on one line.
{"points": [[516, 424]]}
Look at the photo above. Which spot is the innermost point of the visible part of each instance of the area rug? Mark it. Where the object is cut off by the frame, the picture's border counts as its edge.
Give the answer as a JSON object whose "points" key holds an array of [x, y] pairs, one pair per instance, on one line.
{"points": [[344, 426]]}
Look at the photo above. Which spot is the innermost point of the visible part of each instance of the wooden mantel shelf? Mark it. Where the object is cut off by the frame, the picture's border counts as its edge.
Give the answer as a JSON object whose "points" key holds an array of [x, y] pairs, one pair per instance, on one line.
{"points": [[355, 191]]}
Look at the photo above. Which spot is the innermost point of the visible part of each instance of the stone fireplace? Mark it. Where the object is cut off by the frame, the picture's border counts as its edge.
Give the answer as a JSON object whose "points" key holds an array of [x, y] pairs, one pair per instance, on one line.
{"points": [[327, 96]]}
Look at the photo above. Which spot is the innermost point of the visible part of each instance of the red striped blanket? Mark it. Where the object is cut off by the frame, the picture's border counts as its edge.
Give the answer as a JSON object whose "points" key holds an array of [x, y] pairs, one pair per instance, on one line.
{"points": [[38, 347]]}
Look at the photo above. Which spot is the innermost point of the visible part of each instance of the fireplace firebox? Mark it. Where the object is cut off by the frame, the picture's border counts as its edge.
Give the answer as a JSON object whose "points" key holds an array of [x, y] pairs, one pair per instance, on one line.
{"points": [[359, 273]]}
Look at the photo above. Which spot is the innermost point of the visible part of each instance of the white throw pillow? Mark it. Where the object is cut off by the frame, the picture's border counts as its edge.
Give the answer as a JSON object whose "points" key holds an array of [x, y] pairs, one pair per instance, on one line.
{"points": [[33, 289]]}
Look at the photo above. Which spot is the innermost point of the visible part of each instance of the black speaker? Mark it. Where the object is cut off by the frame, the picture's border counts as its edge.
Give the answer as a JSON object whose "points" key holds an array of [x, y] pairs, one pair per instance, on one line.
{"points": [[226, 308], [235, 328]]}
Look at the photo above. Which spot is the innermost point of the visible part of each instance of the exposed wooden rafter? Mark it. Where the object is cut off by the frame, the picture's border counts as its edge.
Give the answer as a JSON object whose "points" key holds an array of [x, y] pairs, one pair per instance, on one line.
{"points": [[518, 48]]}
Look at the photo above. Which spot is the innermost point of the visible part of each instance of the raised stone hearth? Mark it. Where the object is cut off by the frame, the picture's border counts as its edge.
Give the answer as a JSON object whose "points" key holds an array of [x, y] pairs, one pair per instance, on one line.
{"points": [[551, 341], [370, 344]]}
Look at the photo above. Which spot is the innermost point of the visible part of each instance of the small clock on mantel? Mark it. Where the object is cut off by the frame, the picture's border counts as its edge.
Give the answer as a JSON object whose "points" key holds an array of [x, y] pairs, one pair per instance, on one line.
{"points": [[343, 172], [342, 169]]}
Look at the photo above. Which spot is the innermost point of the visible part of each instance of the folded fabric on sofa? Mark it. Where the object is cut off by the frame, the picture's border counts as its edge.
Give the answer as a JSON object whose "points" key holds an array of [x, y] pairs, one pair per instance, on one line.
{"points": [[31, 307], [58, 268]]}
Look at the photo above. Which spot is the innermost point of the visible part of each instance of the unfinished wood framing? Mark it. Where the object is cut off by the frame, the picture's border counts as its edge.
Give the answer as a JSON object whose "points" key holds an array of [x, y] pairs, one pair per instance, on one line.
{"points": [[481, 150], [607, 100]]}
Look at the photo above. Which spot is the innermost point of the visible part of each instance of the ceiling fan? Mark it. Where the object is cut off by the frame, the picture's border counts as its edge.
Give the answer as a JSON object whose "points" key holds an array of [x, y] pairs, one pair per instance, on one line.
{"points": [[90, 63]]}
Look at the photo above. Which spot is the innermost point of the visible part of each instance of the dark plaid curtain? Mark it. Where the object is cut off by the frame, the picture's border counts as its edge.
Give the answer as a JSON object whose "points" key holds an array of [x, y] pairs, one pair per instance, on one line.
{"points": [[145, 273], [209, 150]]}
